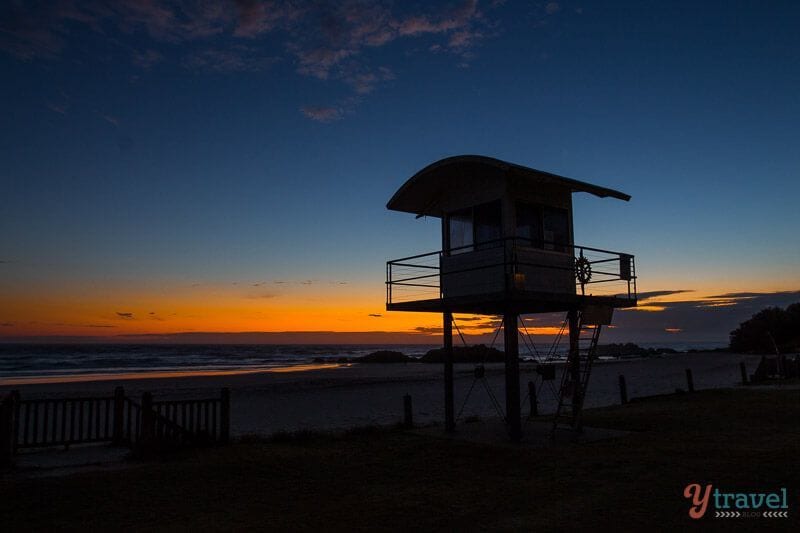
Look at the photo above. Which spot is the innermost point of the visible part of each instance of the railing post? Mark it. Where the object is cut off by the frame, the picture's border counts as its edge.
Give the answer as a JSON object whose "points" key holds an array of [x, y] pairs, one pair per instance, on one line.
{"points": [[117, 435], [408, 413], [623, 390], [225, 416], [533, 400], [689, 380], [743, 370], [7, 436]]}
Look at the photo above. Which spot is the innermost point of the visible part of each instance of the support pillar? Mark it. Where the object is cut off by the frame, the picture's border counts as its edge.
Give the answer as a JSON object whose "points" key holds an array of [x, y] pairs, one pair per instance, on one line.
{"points": [[449, 408], [512, 375], [574, 360]]}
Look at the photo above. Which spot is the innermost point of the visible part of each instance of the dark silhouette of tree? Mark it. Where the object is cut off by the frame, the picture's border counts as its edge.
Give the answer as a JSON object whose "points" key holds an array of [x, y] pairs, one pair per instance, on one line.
{"points": [[771, 324]]}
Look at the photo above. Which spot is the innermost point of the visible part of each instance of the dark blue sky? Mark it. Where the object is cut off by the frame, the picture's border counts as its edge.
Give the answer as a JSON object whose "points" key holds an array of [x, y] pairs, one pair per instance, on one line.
{"points": [[152, 145]]}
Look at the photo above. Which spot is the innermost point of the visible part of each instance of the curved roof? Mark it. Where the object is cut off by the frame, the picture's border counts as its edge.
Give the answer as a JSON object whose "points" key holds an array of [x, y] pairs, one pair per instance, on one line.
{"points": [[421, 193]]}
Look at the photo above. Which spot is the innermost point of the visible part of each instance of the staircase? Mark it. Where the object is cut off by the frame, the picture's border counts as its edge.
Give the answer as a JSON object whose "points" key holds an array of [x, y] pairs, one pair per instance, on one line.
{"points": [[575, 379]]}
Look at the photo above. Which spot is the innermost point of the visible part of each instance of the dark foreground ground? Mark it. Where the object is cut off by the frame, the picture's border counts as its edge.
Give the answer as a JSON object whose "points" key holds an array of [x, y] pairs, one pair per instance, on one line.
{"points": [[746, 440]]}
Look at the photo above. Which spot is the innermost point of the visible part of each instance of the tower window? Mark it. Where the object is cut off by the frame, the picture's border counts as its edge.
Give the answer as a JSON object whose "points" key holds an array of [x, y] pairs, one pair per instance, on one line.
{"points": [[478, 227], [543, 227]]}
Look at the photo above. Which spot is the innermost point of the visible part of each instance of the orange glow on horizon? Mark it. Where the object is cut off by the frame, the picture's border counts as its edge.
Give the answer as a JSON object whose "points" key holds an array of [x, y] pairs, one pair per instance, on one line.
{"points": [[122, 310], [543, 330]]}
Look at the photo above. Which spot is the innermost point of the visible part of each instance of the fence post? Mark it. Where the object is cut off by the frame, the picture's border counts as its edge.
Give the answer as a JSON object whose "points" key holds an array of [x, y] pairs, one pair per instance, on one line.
{"points": [[533, 400], [7, 436], [225, 415], [16, 405], [743, 370], [689, 380], [623, 390], [148, 420], [408, 413], [119, 416]]}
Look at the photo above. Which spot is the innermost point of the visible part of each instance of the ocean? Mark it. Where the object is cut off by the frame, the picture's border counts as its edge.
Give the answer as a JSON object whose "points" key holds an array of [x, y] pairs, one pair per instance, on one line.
{"points": [[51, 360]]}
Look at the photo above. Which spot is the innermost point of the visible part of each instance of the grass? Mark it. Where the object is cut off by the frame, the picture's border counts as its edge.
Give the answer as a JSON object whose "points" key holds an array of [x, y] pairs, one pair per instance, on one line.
{"points": [[387, 479]]}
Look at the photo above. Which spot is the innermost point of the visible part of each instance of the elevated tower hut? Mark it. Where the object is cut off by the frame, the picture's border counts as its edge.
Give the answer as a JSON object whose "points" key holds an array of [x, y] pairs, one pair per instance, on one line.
{"points": [[508, 250]]}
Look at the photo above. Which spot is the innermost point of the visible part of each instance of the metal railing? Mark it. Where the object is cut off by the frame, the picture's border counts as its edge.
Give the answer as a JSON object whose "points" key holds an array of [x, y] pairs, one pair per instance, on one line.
{"points": [[421, 277]]}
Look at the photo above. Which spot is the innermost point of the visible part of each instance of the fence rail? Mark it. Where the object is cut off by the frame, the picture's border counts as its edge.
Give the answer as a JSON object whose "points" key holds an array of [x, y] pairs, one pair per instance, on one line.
{"points": [[118, 419]]}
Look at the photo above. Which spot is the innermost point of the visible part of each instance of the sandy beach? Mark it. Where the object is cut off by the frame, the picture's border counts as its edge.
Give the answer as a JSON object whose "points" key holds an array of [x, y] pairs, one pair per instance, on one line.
{"points": [[342, 396]]}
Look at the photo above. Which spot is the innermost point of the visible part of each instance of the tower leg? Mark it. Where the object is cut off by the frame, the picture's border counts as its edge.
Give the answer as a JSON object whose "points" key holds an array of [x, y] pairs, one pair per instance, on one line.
{"points": [[574, 360], [512, 375], [449, 410]]}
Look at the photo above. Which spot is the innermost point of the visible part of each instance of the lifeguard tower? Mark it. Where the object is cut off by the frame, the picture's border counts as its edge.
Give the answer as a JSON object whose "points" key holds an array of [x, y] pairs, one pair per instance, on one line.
{"points": [[508, 250]]}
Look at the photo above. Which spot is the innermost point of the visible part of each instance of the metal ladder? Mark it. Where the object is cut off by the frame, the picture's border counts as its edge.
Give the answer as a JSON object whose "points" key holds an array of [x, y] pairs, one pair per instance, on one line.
{"points": [[572, 393]]}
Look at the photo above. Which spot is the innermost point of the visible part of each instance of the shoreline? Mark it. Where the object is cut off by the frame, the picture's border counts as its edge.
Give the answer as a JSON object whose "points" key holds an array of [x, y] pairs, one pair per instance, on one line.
{"points": [[301, 366], [263, 403], [162, 374]]}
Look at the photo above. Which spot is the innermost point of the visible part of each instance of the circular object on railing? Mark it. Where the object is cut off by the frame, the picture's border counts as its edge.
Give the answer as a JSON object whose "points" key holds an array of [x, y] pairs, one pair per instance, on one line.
{"points": [[583, 270]]}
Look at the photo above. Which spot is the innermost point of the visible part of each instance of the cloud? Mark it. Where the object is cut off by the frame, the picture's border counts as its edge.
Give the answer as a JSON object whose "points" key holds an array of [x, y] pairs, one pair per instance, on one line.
{"points": [[146, 58], [706, 318], [21, 40], [234, 59], [747, 295], [114, 121], [318, 62], [375, 315], [428, 329], [455, 19], [656, 294], [61, 109], [461, 40], [552, 8], [326, 40], [345, 33], [322, 114], [125, 316], [364, 82], [258, 17], [262, 295], [7, 324]]}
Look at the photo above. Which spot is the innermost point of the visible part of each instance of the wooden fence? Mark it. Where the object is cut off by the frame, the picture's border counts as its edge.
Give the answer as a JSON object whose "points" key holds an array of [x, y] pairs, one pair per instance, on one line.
{"points": [[118, 419]]}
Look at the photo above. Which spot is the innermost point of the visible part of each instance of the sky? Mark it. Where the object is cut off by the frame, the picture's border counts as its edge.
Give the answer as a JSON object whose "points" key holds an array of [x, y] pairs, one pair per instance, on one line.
{"points": [[207, 166]]}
